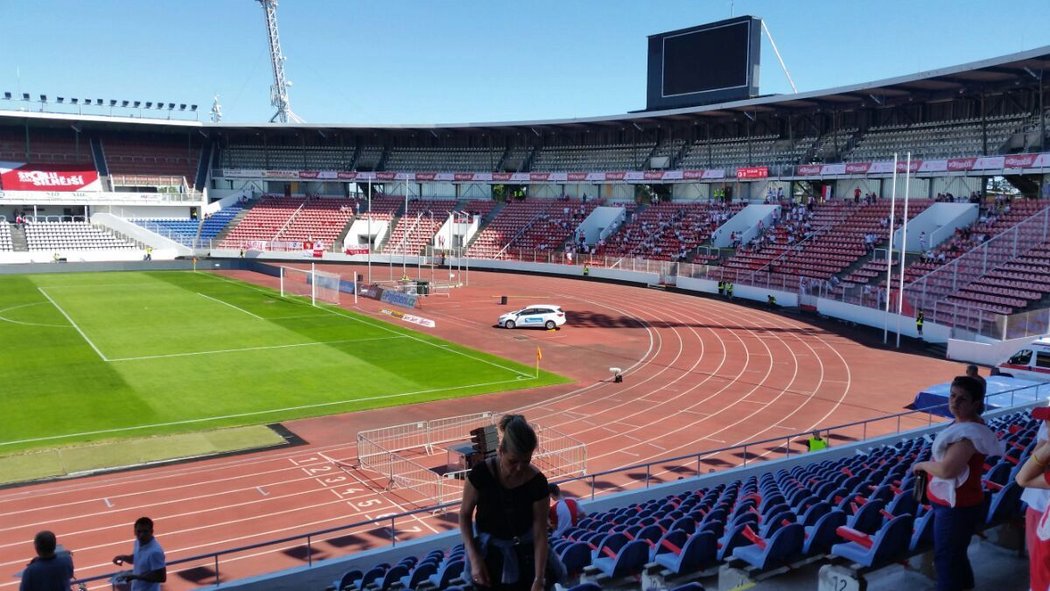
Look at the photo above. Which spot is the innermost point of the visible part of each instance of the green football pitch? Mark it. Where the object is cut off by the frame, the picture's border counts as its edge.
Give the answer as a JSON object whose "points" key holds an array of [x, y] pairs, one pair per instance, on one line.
{"points": [[112, 355]]}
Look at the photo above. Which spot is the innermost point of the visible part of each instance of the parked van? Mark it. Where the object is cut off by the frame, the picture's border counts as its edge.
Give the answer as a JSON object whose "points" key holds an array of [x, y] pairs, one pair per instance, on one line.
{"points": [[1030, 362]]}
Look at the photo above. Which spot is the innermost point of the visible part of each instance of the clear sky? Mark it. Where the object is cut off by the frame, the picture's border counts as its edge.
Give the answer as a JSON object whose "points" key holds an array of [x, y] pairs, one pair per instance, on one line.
{"points": [[460, 61]]}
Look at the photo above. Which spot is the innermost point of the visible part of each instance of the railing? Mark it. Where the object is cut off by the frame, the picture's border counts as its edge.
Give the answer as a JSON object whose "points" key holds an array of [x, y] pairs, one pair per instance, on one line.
{"points": [[927, 292], [599, 483]]}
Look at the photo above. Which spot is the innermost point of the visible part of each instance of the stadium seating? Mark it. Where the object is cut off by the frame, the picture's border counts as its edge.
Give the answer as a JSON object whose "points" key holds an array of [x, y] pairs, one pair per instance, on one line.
{"points": [[185, 231], [44, 146], [667, 231], [5, 236], [64, 236], [291, 221], [150, 158], [416, 228], [936, 139], [587, 158]]}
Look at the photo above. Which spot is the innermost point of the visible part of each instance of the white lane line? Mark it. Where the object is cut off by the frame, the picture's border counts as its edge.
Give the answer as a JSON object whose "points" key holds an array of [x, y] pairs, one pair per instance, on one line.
{"points": [[109, 505], [260, 348], [63, 312], [238, 308], [262, 491]]}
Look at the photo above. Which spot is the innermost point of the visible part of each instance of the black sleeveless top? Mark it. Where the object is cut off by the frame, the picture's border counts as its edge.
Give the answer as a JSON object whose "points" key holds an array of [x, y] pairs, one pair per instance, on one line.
{"points": [[502, 512]]}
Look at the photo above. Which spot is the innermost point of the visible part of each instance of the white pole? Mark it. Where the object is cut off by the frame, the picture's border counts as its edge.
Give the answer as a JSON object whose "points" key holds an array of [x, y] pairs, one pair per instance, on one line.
{"points": [[313, 283], [404, 267], [370, 230], [889, 254], [904, 239]]}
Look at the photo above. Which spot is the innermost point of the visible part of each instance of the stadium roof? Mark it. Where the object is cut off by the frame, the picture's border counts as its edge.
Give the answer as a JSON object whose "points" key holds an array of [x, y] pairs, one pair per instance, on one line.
{"points": [[1023, 69]]}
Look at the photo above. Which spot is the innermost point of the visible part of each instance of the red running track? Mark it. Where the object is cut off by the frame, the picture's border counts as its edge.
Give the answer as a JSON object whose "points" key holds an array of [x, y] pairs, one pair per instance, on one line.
{"points": [[700, 374]]}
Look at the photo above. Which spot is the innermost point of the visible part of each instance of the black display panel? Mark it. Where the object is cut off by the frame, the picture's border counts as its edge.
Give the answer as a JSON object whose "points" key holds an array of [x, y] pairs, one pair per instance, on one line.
{"points": [[705, 64]]}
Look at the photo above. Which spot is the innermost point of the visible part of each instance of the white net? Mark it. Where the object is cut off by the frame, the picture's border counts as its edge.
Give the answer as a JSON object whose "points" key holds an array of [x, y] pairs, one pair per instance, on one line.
{"points": [[317, 286]]}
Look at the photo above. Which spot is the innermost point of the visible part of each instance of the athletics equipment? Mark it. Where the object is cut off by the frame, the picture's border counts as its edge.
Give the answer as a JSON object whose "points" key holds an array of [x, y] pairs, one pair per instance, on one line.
{"points": [[310, 283]]}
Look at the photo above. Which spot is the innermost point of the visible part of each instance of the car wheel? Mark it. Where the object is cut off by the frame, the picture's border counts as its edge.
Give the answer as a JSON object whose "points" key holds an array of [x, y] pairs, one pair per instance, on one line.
{"points": [[508, 324], [550, 325]]}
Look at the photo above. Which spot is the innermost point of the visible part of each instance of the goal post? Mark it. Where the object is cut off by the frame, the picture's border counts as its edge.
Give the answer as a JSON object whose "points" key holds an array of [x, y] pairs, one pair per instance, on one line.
{"points": [[317, 286]]}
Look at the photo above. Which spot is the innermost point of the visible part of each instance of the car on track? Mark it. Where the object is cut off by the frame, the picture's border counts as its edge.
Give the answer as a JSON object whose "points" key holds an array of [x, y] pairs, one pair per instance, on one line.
{"points": [[546, 316]]}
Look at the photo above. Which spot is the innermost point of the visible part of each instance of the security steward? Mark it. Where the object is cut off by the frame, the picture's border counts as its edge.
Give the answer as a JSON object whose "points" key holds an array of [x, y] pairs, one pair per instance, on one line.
{"points": [[815, 443]]}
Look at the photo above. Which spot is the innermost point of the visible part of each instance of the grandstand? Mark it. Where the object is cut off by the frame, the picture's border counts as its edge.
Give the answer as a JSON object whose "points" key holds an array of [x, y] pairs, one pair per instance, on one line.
{"points": [[758, 192]]}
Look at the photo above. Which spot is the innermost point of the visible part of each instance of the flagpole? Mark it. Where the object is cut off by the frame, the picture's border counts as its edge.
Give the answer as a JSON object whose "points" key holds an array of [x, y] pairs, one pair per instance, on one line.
{"points": [[370, 230], [904, 238], [889, 254]]}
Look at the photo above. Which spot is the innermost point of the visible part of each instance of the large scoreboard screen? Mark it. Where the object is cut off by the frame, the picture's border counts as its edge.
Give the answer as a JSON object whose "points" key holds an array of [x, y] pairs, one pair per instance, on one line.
{"points": [[705, 64]]}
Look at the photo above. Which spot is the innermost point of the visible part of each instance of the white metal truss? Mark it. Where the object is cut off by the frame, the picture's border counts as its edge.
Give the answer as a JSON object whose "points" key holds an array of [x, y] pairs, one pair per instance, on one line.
{"points": [[279, 90]]}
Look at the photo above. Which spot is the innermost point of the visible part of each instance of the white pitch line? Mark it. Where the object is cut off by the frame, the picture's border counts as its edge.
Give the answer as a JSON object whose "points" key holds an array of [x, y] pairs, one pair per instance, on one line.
{"points": [[255, 413], [242, 349], [63, 312], [230, 305]]}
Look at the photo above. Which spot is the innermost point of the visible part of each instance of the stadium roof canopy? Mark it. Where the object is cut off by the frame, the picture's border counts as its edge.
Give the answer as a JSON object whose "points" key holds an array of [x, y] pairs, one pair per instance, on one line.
{"points": [[992, 76]]}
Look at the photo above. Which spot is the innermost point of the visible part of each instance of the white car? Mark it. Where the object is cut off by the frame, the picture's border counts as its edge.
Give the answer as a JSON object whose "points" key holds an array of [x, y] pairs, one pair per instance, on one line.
{"points": [[538, 315]]}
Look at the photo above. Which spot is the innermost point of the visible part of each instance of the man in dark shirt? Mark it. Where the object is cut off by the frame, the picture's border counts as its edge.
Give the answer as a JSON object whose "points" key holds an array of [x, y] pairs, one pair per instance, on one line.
{"points": [[48, 571]]}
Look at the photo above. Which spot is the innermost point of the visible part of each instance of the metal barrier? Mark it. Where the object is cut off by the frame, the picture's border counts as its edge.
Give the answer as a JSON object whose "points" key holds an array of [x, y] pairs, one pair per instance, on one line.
{"points": [[389, 450]]}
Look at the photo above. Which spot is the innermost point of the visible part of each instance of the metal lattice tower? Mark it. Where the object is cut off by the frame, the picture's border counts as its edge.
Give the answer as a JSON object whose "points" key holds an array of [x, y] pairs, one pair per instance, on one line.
{"points": [[279, 90]]}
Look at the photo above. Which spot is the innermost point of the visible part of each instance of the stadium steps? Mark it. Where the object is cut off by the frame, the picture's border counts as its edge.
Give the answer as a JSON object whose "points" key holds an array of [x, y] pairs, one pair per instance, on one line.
{"points": [[18, 239], [233, 223], [484, 224], [99, 157], [341, 238]]}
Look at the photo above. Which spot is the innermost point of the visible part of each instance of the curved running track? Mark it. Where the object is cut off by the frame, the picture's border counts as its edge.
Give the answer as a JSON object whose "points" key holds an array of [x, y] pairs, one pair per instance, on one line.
{"points": [[700, 374]]}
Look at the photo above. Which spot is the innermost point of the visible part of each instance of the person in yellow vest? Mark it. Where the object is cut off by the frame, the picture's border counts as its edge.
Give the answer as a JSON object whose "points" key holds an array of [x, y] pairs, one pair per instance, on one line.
{"points": [[729, 289], [586, 270], [919, 319], [721, 288], [815, 443]]}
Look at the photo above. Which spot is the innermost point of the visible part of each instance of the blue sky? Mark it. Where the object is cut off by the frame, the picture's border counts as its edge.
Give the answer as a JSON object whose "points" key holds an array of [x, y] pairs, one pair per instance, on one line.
{"points": [[446, 61]]}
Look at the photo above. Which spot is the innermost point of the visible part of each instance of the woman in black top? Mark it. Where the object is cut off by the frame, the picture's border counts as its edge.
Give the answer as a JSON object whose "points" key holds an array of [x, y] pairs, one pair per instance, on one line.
{"points": [[510, 497]]}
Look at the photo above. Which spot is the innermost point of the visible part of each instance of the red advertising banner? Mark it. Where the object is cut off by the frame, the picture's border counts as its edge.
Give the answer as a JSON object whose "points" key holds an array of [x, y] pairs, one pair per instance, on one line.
{"points": [[961, 163], [857, 167], [48, 177], [752, 172], [809, 169], [1019, 161], [426, 176]]}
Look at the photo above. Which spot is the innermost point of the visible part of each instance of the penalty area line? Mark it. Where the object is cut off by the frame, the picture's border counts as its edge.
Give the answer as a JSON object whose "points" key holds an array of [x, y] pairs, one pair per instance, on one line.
{"points": [[75, 325]]}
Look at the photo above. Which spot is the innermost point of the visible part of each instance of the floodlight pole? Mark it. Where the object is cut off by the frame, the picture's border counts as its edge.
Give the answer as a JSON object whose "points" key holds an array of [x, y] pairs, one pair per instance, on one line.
{"points": [[279, 90], [776, 51]]}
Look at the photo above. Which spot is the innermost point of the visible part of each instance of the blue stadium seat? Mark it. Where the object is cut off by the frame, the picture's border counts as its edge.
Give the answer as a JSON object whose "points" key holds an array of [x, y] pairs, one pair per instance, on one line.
{"points": [[783, 548], [889, 544], [629, 560]]}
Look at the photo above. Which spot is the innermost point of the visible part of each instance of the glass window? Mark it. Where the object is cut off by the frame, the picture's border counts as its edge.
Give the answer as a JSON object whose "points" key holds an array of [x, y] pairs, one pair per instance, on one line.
{"points": [[1022, 357], [1042, 359]]}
